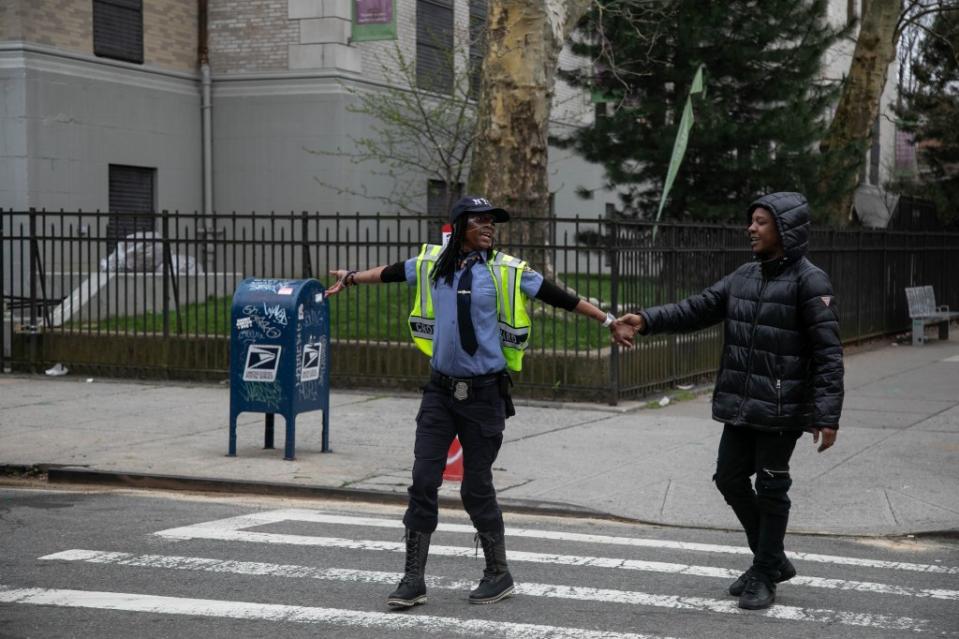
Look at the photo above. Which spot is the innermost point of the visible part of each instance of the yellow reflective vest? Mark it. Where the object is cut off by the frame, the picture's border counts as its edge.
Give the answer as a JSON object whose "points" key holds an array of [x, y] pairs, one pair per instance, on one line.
{"points": [[512, 316]]}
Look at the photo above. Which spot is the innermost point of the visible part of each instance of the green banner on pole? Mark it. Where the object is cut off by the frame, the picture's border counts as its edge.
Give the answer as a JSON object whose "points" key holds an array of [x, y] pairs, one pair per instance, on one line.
{"points": [[374, 20], [682, 139]]}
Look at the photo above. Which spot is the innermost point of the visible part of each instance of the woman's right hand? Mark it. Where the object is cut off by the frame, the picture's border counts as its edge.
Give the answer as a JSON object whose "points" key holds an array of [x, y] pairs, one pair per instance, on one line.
{"points": [[339, 284]]}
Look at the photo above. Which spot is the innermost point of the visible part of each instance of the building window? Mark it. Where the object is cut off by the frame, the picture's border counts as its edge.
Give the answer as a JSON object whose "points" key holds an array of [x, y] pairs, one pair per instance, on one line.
{"points": [[118, 29], [477, 43], [132, 202], [434, 45]]}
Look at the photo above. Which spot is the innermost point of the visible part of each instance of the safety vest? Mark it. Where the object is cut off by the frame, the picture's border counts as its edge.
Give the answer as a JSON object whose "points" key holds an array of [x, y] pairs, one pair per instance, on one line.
{"points": [[513, 319]]}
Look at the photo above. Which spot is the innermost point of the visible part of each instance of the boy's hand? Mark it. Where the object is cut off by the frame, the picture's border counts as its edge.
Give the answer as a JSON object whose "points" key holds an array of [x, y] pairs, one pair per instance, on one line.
{"points": [[635, 320], [829, 434], [622, 333]]}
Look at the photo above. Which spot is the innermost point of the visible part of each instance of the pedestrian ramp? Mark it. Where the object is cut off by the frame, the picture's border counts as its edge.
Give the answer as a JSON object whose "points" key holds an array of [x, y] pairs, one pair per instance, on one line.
{"points": [[850, 596]]}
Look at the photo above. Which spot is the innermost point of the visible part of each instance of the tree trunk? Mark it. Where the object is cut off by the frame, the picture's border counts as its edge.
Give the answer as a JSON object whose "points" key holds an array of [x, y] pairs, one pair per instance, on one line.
{"points": [[510, 157], [850, 133]]}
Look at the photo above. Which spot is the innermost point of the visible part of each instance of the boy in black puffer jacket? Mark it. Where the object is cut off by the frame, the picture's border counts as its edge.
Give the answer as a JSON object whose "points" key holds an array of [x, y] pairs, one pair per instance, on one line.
{"points": [[781, 374]]}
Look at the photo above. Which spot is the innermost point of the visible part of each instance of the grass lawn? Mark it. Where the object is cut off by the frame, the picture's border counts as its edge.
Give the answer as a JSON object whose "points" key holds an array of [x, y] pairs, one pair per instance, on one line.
{"points": [[379, 313]]}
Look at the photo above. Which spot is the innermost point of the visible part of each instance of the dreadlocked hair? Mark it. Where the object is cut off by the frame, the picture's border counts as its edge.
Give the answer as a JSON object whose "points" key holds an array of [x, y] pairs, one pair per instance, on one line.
{"points": [[446, 263]]}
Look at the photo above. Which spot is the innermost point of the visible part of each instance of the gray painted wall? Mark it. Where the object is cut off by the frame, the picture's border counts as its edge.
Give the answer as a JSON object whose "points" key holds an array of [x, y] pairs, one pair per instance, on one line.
{"points": [[66, 117]]}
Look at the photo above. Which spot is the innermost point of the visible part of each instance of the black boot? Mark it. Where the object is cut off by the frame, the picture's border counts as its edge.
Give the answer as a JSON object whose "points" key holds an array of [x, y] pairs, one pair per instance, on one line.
{"points": [[411, 590], [760, 592], [496, 583], [786, 572]]}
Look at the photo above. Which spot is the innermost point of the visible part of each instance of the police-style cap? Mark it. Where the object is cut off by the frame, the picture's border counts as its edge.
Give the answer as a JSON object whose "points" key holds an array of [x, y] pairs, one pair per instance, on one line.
{"points": [[476, 204]]}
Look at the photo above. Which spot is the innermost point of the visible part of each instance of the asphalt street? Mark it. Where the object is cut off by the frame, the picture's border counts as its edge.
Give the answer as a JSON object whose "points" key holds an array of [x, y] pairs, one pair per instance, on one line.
{"points": [[115, 563]]}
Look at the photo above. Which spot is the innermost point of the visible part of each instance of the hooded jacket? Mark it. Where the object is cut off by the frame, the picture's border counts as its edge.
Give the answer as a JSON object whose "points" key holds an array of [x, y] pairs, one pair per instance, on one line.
{"points": [[781, 366]]}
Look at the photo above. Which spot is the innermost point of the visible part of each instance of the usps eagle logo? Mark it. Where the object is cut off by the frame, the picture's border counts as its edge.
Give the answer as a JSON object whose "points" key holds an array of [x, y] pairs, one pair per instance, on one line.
{"points": [[826, 299]]}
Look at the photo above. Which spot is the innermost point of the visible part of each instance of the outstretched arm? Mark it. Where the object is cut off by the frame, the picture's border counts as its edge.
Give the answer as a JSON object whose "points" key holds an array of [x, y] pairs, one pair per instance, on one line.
{"points": [[620, 332], [691, 314], [346, 278]]}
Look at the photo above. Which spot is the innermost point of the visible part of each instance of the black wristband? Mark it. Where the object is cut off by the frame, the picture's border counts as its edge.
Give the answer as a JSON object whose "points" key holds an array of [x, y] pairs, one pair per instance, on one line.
{"points": [[555, 296], [394, 273], [349, 279]]}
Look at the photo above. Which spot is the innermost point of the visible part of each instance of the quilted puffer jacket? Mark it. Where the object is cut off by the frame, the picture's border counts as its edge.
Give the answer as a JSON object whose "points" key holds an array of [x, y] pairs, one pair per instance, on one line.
{"points": [[781, 366]]}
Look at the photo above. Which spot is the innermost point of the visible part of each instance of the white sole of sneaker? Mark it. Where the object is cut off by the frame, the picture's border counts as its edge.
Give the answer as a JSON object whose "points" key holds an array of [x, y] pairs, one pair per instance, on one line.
{"points": [[503, 595], [406, 603]]}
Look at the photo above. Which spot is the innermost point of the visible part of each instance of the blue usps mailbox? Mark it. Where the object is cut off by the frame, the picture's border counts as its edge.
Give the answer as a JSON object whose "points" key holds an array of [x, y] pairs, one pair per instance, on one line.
{"points": [[279, 355]]}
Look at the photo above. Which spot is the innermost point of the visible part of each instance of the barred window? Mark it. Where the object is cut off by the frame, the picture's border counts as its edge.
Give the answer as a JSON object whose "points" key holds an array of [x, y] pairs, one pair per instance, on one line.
{"points": [[434, 45], [132, 201], [118, 29]]}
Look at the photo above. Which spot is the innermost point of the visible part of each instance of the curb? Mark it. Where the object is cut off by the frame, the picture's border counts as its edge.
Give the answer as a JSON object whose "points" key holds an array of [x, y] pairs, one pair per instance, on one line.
{"points": [[72, 475], [145, 481]]}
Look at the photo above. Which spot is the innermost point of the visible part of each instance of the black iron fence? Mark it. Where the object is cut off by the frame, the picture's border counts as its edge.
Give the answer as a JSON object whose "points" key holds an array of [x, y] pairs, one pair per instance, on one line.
{"points": [[157, 303]]}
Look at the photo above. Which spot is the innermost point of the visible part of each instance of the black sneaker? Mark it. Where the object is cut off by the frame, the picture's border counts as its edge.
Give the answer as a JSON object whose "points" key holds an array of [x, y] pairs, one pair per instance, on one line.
{"points": [[786, 572], [760, 592], [492, 588], [409, 593]]}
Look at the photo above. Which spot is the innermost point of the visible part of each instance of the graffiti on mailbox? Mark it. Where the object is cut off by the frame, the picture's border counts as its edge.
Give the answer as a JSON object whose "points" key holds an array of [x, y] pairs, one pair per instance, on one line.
{"points": [[270, 394], [271, 286], [275, 313], [252, 311], [312, 317]]}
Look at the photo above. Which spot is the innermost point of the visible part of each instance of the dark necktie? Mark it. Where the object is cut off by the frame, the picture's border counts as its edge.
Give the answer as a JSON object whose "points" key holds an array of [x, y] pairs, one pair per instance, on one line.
{"points": [[463, 318]]}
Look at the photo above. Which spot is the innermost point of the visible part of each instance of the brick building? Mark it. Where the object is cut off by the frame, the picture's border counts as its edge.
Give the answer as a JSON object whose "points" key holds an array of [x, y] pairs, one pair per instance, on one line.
{"points": [[103, 103]]}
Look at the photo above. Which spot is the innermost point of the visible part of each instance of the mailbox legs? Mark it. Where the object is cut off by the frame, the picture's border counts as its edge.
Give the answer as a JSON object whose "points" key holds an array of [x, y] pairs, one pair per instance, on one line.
{"points": [[290, 437], [232, 446], [268, 431], [326, 430]]}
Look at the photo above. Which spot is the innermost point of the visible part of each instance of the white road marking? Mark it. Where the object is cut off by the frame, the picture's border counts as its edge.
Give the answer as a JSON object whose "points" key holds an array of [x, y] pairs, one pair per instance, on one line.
{"points": [[233, 530], [443, 626], [605, 595], [300, 514]]}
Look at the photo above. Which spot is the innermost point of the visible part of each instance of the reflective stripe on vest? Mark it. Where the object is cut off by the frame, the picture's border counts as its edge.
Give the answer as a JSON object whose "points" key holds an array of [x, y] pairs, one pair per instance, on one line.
{"points": [[513, 319]]}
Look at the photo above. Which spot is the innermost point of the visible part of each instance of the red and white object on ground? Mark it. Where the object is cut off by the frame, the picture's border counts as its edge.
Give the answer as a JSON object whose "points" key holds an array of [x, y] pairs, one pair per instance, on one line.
{"points": [[454, 462]]}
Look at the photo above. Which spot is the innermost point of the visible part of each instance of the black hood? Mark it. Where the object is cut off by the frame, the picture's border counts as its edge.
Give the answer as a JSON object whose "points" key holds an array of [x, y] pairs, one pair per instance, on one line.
{"points": [[791, 212]]}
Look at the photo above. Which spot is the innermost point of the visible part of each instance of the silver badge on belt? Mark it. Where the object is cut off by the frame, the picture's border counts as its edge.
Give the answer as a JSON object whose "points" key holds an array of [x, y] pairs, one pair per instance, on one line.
{"points": [[461, 391]]}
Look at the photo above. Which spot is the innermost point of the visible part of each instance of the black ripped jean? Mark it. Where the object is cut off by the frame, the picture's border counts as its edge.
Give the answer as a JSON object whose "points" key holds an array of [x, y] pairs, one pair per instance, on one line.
{"points": [[479, 422], [763, 512]]}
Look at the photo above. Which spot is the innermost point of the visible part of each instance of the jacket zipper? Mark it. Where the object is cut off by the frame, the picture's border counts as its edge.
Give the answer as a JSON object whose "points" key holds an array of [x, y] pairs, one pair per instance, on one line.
{"points": [[779, 398], [749, 356]]}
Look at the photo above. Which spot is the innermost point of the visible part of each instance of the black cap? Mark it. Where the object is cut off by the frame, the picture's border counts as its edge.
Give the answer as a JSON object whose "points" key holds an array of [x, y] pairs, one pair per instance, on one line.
{"points": [[477, 204]]}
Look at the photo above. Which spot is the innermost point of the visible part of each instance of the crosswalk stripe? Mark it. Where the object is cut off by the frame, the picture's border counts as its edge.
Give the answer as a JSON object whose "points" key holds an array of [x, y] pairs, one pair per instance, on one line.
{"points": [[230, 533], [304, 515], [444, 626], [606, 595]]}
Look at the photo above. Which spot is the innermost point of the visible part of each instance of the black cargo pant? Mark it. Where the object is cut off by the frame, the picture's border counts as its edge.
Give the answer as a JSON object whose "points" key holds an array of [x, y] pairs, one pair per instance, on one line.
{"points": [[479, 422], [763, 512]]}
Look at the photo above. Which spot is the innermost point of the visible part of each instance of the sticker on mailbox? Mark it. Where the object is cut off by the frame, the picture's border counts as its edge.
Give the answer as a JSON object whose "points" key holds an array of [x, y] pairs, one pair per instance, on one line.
{"points": [[262, 362], [311, 362]]}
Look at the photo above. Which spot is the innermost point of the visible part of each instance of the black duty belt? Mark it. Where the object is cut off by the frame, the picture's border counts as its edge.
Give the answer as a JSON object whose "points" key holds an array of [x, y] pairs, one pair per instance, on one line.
{"points": [[461, 386]]}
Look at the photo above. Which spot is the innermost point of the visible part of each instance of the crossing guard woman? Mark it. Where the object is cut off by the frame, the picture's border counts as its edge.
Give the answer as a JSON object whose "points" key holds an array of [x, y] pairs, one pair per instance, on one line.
{"points": [[470, 317]]}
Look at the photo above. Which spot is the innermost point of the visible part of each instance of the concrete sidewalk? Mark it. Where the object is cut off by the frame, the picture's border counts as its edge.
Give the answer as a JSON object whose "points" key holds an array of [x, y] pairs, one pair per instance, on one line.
{"points": [[894, 470]]}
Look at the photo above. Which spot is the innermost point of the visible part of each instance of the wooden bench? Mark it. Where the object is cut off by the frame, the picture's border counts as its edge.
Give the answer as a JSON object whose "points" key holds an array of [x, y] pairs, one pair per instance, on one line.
{"points": [[923, 311]]}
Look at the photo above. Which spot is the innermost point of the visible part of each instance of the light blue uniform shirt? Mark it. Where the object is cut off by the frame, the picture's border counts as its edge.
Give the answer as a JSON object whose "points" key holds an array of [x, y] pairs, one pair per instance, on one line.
{"points": [[449, 358]]}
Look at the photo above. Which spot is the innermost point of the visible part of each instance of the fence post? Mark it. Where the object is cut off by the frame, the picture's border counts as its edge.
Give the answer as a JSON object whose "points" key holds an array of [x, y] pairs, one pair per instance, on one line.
{"points": [[32, 249], [614, 309], [3, 307], [887, 284], [859, 285], [164, 242], [305, 244]]}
